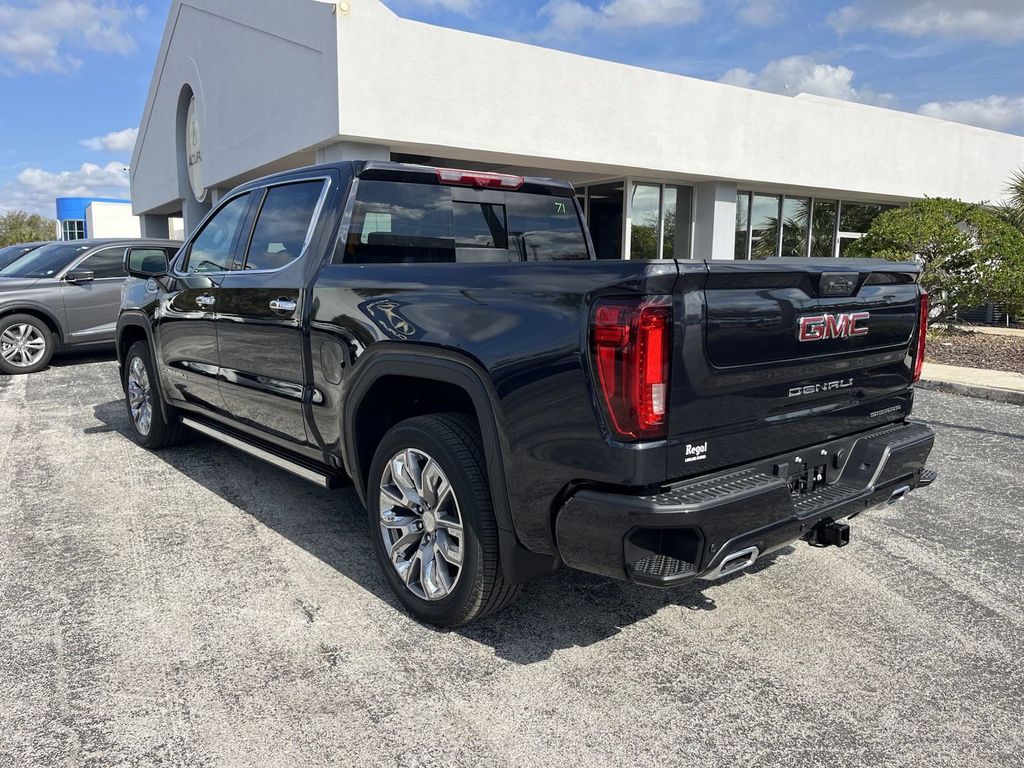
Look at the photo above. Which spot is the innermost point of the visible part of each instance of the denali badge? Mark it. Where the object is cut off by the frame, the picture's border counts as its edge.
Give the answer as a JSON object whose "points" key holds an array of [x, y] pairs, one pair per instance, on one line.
{"points": [[828, 386], [841, 326]]}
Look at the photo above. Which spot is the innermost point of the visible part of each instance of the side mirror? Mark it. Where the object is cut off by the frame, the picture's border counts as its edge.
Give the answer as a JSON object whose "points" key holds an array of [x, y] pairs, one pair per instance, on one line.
{"points": [[146, 262], [77, 276]]}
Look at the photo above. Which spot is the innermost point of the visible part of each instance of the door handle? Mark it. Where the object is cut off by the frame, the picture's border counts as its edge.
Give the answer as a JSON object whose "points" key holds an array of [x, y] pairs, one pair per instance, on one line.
{"points": [[206, 300], [283, 305]]}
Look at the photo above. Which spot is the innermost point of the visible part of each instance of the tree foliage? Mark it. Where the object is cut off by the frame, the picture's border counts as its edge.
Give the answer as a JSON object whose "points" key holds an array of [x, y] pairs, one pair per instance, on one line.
{"points": [[969, 255], [23, 227]]}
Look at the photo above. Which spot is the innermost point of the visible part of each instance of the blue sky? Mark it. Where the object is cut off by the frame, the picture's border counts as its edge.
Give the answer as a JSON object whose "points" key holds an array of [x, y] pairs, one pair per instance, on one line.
{"points": [[74, 73]]}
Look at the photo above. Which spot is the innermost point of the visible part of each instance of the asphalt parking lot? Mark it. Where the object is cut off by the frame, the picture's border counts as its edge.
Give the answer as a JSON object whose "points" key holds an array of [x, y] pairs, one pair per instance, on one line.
{"points": [[197, 607]]}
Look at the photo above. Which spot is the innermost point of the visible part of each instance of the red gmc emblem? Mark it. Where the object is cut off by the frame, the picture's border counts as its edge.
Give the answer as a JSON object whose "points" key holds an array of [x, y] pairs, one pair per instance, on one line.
{"points": [[841, 326]]}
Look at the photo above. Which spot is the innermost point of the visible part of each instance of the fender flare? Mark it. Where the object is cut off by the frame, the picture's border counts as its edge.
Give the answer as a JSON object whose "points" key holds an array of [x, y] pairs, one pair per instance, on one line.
{"points": [[137, 319], [134, 319], [32, 308], [518, 563]]}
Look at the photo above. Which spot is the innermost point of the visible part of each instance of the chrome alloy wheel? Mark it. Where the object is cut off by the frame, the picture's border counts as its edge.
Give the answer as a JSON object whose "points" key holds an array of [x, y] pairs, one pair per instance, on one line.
{"points": [[140, 396], [421, 525], [22, 345]]}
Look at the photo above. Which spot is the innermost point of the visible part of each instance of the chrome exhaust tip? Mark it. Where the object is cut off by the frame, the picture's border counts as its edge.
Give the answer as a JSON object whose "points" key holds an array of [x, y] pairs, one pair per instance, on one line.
{"points": [[733, 562]]}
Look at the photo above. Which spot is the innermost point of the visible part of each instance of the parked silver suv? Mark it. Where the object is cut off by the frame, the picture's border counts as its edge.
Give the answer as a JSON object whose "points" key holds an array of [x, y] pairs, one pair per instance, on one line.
{"points": [[62, 295]]}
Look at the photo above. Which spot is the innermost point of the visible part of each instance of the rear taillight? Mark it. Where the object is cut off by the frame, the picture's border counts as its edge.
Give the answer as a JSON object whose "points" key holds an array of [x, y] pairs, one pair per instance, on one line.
{"points": [[922, 337], [631, 342], [479, 179]]}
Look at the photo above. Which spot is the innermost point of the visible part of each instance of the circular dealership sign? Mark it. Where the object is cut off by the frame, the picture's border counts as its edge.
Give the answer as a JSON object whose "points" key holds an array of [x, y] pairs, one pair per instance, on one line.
{"points": [[194, 152]]}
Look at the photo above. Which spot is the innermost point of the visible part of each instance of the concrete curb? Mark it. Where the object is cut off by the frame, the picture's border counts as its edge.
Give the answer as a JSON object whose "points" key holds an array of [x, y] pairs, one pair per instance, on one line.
{"points": [[994, 394]]}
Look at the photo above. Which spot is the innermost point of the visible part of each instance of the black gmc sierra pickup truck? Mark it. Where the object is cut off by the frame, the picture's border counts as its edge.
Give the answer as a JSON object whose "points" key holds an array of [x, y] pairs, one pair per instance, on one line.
{"points": [[505, 403]]}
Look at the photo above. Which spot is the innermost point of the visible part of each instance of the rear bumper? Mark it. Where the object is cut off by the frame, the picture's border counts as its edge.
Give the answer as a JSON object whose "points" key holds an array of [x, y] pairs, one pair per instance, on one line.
{"points": [[687, 530]]}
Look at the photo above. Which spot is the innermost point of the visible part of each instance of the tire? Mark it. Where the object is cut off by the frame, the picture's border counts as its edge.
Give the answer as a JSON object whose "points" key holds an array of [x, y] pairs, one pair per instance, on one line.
{"points": [[26, 344], [149, 427], [444, 448]]}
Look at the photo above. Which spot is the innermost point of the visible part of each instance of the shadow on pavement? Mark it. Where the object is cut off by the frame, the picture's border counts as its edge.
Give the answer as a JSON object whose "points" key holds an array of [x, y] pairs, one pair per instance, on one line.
{"points": [[979, 430], [83, 356], [563, 610], [71, 357]]}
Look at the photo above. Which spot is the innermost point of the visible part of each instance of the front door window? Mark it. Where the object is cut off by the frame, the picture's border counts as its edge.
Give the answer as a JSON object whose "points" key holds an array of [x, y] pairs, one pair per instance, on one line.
{"points": [[213, 250]]}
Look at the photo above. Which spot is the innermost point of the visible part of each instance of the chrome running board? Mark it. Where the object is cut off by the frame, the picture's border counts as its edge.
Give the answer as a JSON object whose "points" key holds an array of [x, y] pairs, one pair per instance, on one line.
{"points": [[323, 479]]}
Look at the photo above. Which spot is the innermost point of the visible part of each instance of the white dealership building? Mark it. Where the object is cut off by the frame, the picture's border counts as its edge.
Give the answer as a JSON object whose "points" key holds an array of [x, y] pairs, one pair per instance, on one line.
{"points": [[665, 165]]}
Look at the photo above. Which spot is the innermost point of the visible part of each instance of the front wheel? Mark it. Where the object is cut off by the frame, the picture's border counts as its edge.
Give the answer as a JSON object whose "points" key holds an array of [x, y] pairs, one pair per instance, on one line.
{"points": [[150, 427], [26, 344], [432, 521]]}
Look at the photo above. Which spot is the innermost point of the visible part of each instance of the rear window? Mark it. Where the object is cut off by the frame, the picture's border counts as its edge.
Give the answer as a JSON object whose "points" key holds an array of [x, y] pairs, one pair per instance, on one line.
{"points": [[402, 223], [480, 225], [545, 228]]}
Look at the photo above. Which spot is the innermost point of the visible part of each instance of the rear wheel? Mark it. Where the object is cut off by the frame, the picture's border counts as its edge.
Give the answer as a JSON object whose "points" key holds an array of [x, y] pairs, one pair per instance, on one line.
{"points": [[432, 521], [150, 428], [26, 344]]}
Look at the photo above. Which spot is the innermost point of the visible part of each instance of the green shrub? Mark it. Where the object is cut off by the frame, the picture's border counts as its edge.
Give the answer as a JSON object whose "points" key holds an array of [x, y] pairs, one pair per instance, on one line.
{"points": [[969, 255]]}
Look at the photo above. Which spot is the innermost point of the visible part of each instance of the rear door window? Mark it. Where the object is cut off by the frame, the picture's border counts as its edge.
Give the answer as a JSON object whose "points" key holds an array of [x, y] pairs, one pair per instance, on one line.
{"points": [[283, 225]]}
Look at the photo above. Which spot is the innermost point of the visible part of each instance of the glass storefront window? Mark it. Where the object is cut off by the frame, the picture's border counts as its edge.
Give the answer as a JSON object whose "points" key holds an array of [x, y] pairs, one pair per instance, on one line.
{"points": [[678, 215], [770, 225], [846, 242], [742, 225], [73, 229], [764, 226], [857, 217], [823, 229], [795, 216], [661, 219], [646, 211], [604, 217]]}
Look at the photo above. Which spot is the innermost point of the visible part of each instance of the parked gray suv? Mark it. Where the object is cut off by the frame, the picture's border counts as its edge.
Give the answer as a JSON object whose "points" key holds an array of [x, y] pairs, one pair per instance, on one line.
{"points": [[62, 295]]}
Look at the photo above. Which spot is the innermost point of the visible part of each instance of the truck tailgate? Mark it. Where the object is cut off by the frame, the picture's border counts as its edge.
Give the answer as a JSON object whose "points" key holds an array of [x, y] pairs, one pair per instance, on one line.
{"points": [[786, 353]]}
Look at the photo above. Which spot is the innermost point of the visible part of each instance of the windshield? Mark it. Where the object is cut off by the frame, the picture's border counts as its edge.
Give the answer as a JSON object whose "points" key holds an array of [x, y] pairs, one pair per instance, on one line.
{"points": [[45, 261]]}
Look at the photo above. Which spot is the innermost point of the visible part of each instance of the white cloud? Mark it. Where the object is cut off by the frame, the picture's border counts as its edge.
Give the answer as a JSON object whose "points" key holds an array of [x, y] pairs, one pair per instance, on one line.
{"points": [[571, 17], [802, 74], [39, 37], [763, 13], [34, 189], [1000, 113], [115, 141], [998, 20], [466, 7]]}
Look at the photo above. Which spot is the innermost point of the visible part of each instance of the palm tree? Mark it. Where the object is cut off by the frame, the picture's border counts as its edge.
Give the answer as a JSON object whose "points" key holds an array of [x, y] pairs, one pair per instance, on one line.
{"points": [[794, 231], [1013, 208]]}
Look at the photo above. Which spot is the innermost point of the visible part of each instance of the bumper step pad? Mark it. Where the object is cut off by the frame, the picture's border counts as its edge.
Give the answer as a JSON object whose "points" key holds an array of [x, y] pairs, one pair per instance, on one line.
{"points": [[662, 567]]}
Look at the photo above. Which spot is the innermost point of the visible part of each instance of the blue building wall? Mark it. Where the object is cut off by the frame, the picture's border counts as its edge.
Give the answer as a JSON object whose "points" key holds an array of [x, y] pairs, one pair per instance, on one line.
{"points": [[73, 208]]}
